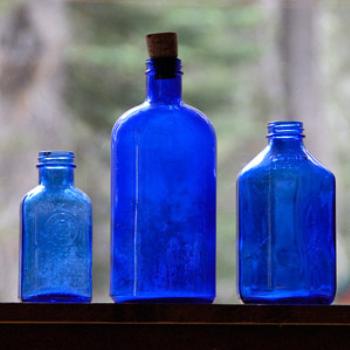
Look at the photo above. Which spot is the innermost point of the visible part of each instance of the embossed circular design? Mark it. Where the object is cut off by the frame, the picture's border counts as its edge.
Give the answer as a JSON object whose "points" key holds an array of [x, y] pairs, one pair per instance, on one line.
{"points": [[62, 227]]}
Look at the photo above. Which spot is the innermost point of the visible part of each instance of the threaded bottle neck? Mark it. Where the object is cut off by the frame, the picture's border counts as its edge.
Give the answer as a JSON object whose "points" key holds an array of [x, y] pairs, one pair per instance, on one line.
{"points": [[56, 158], [56, 168], [285, 130]]}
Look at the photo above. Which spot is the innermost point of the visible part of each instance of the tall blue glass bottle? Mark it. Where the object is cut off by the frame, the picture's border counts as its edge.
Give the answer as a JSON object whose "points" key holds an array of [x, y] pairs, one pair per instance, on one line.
{"points": [[163, 174], [286, 223], [56, 239]]}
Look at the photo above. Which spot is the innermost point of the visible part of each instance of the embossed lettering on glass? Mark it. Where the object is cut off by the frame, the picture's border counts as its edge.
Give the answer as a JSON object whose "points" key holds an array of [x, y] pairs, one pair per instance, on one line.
{"points": [[56, 235], [286, 223]]}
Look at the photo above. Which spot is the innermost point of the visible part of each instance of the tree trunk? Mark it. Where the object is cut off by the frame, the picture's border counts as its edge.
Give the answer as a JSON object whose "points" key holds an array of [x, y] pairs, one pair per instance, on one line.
{"points": [[300, 71], [32, 113]]}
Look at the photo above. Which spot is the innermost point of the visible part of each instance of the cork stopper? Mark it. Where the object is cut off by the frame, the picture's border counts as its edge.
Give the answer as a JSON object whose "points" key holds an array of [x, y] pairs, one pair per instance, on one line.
{"points": [[161, 45]]}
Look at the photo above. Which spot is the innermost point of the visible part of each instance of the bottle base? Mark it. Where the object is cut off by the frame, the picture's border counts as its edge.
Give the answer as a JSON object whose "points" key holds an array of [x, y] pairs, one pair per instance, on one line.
{"points": [[162, 300], [275, 299], [56, 298]]}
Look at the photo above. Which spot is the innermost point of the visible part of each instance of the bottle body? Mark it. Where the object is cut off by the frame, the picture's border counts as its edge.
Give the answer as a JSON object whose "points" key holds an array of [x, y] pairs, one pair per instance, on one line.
{"points": [[286, 225], [163, 161], [56, 238]]}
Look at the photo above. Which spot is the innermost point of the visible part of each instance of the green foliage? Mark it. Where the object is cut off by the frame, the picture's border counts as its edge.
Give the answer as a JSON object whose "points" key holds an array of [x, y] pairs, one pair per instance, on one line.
{"points": [[106, 61]]}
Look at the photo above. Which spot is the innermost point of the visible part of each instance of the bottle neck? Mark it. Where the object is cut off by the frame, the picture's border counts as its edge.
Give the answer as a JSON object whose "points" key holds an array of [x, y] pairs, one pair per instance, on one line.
{"points": [[286, 145], [56, 168], [286, 136], [56, 176], [164, 81]]}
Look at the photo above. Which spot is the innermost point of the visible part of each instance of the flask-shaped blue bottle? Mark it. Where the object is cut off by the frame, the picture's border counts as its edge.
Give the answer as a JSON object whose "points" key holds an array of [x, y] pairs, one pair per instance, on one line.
{"points": [[56, 237], [286, 223], [163, 178]]}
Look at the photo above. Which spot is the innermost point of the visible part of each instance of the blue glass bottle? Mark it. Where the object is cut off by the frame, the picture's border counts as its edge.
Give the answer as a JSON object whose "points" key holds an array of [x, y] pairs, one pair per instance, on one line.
{"points": [[286, 223], [163, 177], [56, 239]]}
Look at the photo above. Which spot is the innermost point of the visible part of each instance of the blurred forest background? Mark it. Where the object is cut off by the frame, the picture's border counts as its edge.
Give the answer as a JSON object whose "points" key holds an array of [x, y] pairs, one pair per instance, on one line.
{"points": [[68, 69]]}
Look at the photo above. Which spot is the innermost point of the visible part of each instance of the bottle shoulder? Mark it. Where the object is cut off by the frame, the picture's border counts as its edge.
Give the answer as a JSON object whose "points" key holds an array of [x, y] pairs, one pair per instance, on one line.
{"points": [[319, 165], [79, 195], [34, 194], [258, 162], [298, 163], [128, 115], [196, 113], [148, 115], [42, 194]]}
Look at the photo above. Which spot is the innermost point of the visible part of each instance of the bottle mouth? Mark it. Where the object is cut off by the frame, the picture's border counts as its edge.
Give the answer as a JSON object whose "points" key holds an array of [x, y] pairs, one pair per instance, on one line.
{"points": [[163, 67], [285, 129], [56, 158]]}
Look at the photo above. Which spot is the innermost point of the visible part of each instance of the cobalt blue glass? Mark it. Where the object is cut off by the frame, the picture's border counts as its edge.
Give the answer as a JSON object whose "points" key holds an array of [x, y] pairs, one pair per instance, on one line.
{"points": [[286, 223], [56, 237], [163, 200]]}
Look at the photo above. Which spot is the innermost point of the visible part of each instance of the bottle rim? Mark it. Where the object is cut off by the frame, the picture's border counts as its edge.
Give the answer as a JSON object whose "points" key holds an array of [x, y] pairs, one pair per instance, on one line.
{"points": [[285, 128], [56, 158]]}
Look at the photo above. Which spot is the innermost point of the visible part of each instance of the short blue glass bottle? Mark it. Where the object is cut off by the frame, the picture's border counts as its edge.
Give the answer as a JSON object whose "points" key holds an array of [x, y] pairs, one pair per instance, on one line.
{"points": [[163, 174], [286, 223], [56, 235]]}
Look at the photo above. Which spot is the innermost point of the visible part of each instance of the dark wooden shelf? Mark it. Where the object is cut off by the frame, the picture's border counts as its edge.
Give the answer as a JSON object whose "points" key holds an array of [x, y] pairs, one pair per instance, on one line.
{"points": [[157, 326]]}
